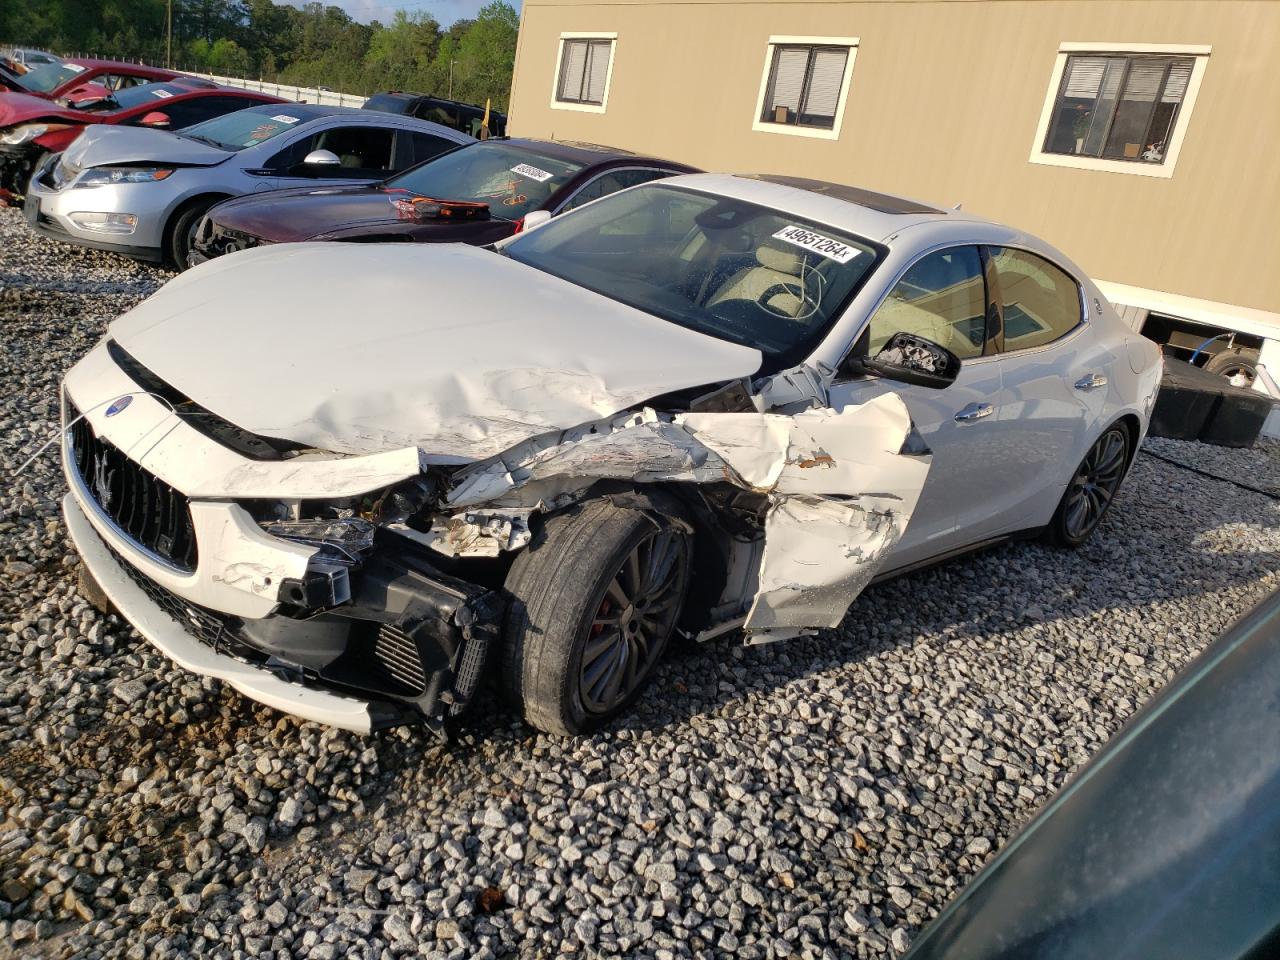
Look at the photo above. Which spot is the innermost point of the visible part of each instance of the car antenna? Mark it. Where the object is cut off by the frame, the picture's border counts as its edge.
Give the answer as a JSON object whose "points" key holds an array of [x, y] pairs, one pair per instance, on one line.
{"points": [[957, 206]]}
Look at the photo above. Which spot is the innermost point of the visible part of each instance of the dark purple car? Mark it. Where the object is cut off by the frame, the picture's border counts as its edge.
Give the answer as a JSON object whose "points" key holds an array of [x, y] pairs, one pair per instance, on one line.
{"points": [[477, 194]]}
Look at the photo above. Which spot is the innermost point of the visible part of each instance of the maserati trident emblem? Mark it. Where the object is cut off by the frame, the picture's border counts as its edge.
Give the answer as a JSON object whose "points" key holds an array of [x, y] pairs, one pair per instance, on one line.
{"points": [[118, 406], [102, 477]]}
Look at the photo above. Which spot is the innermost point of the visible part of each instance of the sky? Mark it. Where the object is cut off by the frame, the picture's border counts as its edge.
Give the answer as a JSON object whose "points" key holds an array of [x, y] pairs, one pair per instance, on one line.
{"points": [[445, 11]]}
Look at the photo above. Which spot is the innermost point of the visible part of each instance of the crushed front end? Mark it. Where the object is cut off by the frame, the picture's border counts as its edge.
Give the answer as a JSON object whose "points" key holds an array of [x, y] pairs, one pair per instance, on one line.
{"points": [[212, 239], [309, 603]]}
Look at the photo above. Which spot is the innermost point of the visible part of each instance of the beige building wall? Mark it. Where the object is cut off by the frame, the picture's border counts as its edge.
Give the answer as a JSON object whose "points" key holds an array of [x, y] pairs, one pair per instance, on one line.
{"points": [[943, 106]]}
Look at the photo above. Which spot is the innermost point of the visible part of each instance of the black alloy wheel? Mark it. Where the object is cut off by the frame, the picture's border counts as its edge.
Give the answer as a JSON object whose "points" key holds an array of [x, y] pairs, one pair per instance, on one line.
{"points": [[633, 621]]}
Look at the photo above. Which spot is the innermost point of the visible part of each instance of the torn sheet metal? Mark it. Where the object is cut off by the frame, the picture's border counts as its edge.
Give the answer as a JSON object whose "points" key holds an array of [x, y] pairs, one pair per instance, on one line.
{"points": [[430, 372], [843, 493], [841, 488], [641, 447]]}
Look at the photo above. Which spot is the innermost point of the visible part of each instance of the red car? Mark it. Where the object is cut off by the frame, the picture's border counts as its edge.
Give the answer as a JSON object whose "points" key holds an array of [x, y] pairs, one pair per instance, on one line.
{"points": [[31, 127], [78, 80]]}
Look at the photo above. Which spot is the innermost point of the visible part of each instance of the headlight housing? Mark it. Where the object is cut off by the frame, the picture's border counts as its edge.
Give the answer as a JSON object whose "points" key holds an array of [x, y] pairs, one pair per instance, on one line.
{"points": [[102, 176], [24, 134], [343, 541]]}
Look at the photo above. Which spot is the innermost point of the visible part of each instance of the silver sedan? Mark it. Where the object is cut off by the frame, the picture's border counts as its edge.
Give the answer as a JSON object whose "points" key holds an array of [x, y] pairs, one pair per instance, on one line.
{"points": [[142, 192]]}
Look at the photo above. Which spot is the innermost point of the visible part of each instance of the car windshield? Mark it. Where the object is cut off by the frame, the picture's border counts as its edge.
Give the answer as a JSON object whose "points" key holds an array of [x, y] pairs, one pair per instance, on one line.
{"points": [[511, 179], [244, 128], [724, 267], [49, 76], [153, 93]]}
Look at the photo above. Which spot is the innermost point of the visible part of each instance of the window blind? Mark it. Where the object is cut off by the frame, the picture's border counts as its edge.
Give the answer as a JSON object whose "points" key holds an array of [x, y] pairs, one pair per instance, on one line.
{"points": [[825, 82], [574, 60], [597, 70]]}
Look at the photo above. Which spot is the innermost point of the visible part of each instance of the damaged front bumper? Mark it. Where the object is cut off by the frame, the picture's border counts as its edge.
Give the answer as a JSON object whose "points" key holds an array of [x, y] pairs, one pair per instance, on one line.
{"points": [[410, 647], [213, 240], [17, 164]]}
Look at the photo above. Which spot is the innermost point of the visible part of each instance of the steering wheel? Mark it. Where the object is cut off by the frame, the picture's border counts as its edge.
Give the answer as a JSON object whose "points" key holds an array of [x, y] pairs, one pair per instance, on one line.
{"points": [[795, 290]]}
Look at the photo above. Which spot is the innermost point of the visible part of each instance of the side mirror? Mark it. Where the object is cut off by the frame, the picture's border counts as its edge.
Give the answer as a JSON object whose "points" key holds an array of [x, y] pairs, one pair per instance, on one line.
{"points": [[915, 360], [534, 219], [322, 158], [155, 119]]}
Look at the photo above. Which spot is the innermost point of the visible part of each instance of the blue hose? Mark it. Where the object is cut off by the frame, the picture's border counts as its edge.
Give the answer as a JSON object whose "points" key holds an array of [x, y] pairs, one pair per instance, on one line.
{"points": [[1205, 344]]}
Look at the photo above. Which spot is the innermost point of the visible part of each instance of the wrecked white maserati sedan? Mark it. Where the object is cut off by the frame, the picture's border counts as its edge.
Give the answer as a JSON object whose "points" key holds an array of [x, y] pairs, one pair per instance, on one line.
{"points": [[345, 478]]}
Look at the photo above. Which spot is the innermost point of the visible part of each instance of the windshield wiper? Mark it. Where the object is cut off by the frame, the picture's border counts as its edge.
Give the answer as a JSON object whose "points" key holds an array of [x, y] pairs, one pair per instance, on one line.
{"points": [[195, 136]]}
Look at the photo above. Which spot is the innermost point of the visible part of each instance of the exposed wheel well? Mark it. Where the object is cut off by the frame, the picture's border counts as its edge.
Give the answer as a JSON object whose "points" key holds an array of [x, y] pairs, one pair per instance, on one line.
{"points": [[1133, 427]]}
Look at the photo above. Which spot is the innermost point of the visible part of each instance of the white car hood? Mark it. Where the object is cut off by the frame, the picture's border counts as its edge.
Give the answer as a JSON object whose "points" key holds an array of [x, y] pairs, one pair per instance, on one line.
{"points": [[103, 144], [364, 348]]}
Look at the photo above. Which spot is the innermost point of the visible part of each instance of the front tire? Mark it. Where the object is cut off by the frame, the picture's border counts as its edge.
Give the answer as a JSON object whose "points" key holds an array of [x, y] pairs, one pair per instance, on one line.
{"points": [[1092, 489], [593, 603], [182, 232]]}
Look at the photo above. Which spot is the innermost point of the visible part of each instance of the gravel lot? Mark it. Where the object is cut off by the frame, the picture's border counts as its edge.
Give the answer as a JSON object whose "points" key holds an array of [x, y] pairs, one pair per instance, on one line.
{"points": [[818, 798]]}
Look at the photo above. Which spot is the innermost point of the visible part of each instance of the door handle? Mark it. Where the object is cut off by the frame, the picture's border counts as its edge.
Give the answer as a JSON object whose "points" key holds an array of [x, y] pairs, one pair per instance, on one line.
{"points": [[1091, 382], [975, 411]]}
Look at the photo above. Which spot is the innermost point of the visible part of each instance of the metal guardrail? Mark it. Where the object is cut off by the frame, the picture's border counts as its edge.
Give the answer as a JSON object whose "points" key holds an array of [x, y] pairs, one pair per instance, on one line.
{"points": [[331, 98]]}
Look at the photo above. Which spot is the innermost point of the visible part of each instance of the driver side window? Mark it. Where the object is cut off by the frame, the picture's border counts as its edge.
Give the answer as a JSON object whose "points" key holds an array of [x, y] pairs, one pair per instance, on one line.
{"points": [[942, 297]]}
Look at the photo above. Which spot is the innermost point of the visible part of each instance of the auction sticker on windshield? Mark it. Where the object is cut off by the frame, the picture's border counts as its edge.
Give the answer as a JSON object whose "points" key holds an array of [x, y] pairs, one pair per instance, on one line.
{"points": [[831, 249], [74, 67], [162, 94], [282, 118], [532, 172]]}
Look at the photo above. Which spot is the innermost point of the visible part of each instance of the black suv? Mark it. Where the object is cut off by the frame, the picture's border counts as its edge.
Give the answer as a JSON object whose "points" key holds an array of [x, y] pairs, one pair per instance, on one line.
{"points": [[466, 117]]}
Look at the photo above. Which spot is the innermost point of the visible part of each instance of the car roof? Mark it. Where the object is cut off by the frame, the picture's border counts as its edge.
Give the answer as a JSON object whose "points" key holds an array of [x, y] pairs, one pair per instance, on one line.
{"points": [[410, 97], [588, 154], [875, 216], [315, 111], [89, 62]]}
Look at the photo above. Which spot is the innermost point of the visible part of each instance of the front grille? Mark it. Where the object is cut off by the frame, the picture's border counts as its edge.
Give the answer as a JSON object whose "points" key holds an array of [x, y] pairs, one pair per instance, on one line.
{"points": [[395, 658], [145, 509]]}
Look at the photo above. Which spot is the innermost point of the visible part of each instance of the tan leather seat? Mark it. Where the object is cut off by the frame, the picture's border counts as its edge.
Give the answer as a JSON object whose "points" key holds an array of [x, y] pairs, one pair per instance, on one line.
{"points": [[774, 268]]}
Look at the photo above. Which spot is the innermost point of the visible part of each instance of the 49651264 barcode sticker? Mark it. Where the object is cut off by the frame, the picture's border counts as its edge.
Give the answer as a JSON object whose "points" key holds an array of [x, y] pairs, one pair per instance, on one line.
{"points": [[532, 172], [831, 249]]}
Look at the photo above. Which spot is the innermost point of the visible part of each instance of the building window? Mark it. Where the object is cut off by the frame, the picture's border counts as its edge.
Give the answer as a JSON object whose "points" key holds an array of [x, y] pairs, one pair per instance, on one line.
{"points": [[805, 83], [583, 71], [1121, 110]]}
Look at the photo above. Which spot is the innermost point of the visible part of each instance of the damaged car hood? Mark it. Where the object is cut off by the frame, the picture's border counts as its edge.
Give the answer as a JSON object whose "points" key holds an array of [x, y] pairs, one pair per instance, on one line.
{"points": [[455, 350], [103, 145]]}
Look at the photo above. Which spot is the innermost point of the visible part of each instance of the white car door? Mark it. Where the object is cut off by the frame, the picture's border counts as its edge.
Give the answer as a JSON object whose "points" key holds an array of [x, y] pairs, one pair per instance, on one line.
{"points": [[942, 297], [1056, 381]]}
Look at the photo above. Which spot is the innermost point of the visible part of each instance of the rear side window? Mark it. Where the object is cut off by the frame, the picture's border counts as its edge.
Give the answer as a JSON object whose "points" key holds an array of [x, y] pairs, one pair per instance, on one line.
{"points": [[1040, 301], [612, 182], [941, 297], [187, 113]]}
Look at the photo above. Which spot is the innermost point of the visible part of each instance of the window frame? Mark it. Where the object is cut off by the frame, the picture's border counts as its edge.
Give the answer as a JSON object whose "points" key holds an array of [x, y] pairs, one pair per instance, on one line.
{"points": [[792, 129], [556, 102], [563, 203], [995, 301], [1199, 55], [994, 348]]}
